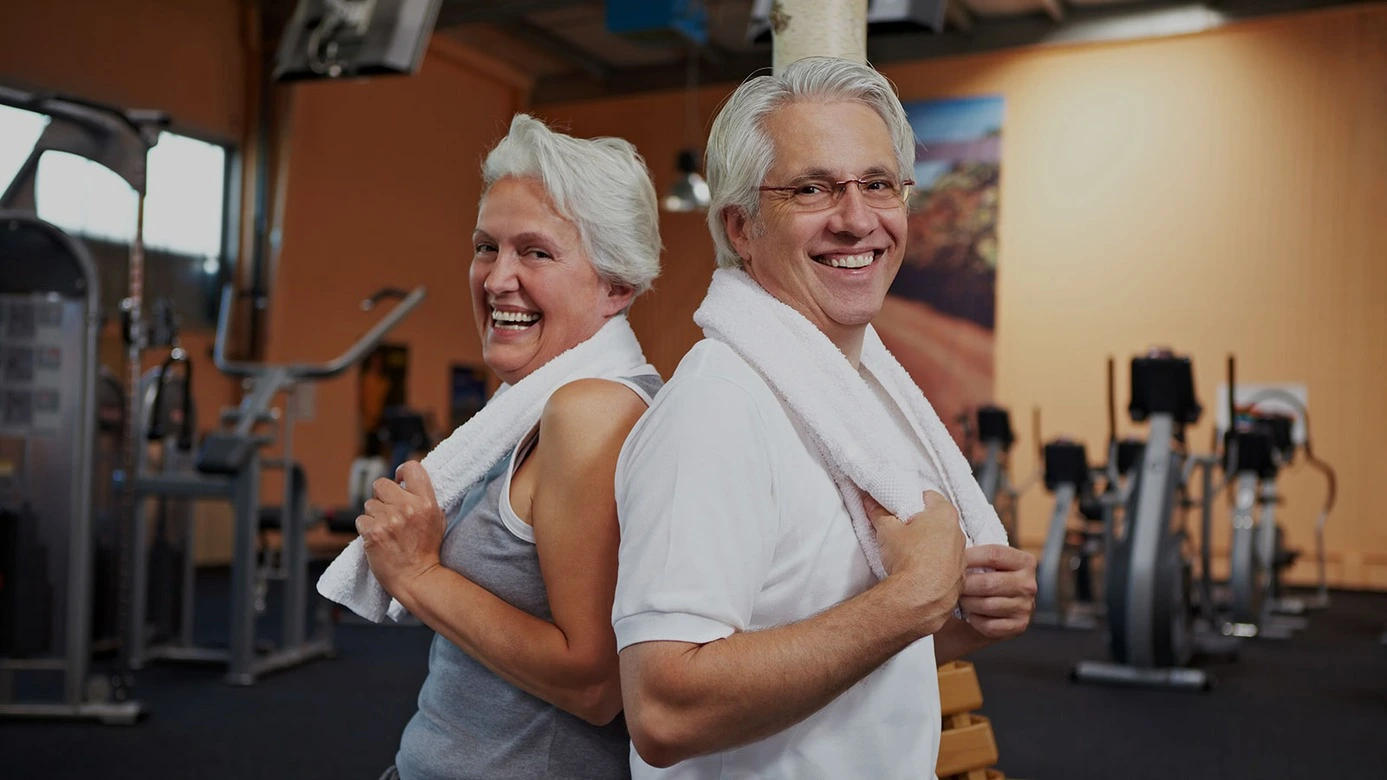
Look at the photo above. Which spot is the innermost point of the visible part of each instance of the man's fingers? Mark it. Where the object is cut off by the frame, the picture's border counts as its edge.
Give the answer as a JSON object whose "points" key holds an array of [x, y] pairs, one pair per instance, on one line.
{"points": [[995, 583], [998, 557], [416, 479], [998, 628], [881, 518], [995, 606], [871, 506]]}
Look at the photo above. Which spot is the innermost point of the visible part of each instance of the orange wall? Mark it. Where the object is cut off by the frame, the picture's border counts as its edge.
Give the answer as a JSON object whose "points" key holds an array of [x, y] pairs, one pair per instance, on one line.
{"points": [[179, 56], [384, 182], [1219, 193]]}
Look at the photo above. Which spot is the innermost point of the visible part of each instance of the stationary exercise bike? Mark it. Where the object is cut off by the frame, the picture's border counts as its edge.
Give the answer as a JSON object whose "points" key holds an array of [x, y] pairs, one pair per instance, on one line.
{"points": [[1069, 574], [1257, 446], [992, 429], [1066, 572], [1150, 612]]}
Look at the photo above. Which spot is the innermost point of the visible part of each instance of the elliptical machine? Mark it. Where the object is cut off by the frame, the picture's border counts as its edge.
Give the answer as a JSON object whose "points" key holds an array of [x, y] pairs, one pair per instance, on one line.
{"points": [[1148, 579]]}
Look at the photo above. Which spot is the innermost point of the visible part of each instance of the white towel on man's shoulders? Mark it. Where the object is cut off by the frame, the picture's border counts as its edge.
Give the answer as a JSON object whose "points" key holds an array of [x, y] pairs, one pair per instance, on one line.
{"points": [[861, 439]]}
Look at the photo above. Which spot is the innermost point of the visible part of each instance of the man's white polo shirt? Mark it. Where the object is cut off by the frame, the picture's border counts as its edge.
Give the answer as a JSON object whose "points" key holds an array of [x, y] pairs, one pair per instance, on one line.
{"points": [[730, 521]]}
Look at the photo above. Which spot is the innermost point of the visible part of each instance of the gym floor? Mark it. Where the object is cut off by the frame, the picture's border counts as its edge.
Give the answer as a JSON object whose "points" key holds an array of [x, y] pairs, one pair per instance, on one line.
{"points": [[1311, 707]]}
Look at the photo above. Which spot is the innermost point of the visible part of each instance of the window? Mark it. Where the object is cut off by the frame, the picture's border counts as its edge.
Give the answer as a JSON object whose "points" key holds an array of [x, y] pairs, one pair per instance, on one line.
{"points": [[19, 130], [185, 212]]}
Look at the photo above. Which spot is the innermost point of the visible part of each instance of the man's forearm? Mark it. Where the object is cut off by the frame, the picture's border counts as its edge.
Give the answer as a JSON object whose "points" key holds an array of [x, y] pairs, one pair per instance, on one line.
{"points": [[751, 685]]}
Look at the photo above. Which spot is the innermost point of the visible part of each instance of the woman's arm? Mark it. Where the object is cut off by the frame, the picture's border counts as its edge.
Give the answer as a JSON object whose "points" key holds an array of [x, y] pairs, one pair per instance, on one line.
{"points": [[571, 662]]}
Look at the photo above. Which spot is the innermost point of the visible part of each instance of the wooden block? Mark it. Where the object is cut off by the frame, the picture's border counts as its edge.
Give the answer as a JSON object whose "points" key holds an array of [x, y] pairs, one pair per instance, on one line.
{"points": [[958, 688], [962, 750]]}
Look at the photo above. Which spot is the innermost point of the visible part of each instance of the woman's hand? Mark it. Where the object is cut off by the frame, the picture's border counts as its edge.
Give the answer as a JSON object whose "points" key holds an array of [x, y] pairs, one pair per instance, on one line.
{"points": [[402, 529]]}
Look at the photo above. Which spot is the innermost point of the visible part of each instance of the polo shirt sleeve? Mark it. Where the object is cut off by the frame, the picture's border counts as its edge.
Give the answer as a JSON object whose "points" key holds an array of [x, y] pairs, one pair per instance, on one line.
{"points": [[696, 501]]}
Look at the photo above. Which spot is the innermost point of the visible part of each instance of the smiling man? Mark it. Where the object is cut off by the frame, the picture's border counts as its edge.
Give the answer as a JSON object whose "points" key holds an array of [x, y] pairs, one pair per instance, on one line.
{"points": [[764, 630]]}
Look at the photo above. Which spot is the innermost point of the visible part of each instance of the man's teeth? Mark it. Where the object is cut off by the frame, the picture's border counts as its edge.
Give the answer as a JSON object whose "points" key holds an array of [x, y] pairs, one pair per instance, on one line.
{"points": [[855, 261]]}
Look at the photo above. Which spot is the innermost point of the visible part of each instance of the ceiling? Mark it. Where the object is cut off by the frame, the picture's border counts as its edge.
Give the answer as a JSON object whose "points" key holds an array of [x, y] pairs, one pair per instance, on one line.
{"points": [[566, 47]]}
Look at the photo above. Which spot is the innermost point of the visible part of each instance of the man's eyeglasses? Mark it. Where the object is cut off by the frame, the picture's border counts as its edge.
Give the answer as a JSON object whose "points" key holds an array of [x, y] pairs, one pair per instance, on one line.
{"points": [[816, 194]]}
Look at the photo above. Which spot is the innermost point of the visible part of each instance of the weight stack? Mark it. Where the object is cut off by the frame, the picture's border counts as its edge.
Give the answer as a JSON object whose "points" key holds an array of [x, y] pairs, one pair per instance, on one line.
{"points": [[967, 747]]}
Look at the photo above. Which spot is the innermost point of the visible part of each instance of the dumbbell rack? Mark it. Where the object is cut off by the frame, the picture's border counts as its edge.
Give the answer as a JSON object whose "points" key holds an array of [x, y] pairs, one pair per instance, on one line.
{"points": [[967, 747]]}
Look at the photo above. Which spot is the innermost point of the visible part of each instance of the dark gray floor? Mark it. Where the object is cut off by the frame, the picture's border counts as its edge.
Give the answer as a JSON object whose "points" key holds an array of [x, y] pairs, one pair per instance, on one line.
{"points": [[1313, 707]]}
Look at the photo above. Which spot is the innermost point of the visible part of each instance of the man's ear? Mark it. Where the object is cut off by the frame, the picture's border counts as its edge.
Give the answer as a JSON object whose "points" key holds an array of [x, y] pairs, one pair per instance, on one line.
{"points": [[738, 226]]}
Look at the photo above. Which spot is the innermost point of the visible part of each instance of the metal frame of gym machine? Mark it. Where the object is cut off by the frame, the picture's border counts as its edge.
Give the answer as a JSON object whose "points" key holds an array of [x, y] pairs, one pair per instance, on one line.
{"points": [[172, 434], [228, 466], [1150, 614], [119, 140]]}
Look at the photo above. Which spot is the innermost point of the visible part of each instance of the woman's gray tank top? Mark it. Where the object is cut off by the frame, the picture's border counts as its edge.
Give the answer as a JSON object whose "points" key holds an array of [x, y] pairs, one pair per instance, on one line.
{"points": [[470, 722]]}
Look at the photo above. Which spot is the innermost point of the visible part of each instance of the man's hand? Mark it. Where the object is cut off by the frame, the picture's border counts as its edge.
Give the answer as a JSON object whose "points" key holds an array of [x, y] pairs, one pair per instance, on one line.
{"points": [[402, 529], [999, 590], [924, 555]]}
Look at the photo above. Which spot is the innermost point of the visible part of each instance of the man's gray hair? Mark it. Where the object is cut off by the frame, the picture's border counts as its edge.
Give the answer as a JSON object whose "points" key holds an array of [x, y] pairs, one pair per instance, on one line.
{"points": [[601, 185], [740, 153]]}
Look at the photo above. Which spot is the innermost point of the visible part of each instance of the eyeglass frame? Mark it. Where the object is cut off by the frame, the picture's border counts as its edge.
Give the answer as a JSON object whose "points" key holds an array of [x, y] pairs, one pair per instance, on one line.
{"points": [[840, 188]]}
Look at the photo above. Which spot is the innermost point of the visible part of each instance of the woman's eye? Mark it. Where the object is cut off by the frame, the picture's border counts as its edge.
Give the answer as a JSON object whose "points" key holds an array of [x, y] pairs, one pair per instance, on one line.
{"points": [[485, 248]]}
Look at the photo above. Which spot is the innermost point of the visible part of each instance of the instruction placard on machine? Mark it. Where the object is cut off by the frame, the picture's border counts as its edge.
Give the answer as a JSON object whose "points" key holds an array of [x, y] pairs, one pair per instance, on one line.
{"points": [[34, 387]]}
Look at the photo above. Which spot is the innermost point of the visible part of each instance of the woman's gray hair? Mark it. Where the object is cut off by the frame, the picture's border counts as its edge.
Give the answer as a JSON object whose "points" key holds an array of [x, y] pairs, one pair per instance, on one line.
{"points": [[601, 185], [740, 153]]}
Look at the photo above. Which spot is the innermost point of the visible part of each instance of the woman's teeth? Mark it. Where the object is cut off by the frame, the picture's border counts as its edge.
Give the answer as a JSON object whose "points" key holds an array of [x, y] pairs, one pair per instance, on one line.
{"points": [[513, 320], [855, 261]]}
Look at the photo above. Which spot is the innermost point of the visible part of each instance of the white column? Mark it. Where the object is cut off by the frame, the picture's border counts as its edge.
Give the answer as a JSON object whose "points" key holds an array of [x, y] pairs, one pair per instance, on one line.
{"points": [[806, 28]]}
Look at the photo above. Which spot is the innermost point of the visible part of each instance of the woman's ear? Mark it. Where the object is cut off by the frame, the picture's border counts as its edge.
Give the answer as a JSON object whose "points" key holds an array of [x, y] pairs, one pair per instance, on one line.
{"points": [[619, 297]]}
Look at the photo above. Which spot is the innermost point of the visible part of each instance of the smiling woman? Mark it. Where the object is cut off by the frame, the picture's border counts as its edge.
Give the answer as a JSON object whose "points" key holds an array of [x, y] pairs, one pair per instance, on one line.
{"points": [[518, 579], [534, 289]]}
